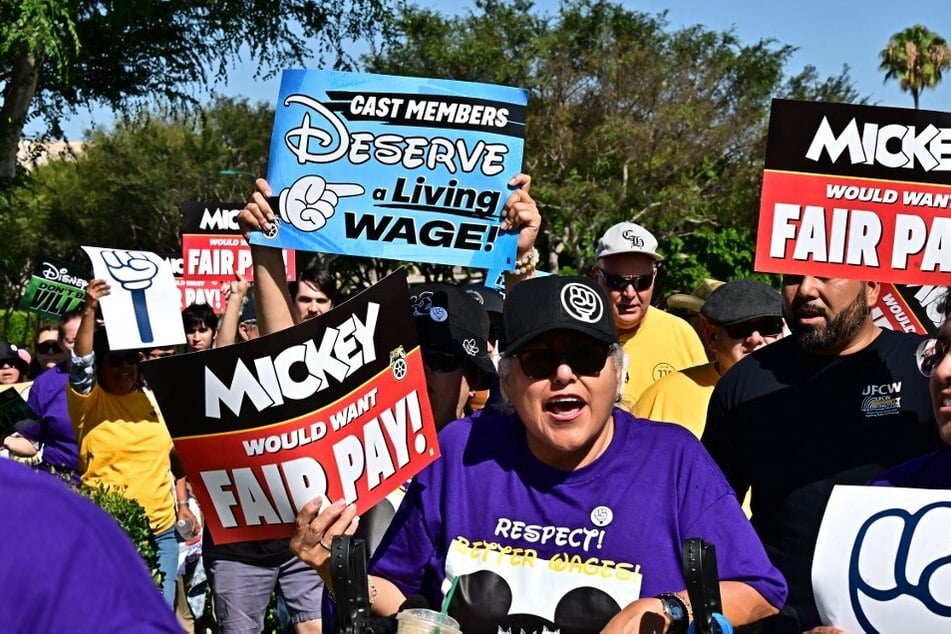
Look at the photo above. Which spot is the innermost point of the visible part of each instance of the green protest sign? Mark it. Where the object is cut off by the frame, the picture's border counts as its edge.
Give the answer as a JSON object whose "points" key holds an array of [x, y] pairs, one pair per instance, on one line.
{"points": [[53, 289]]}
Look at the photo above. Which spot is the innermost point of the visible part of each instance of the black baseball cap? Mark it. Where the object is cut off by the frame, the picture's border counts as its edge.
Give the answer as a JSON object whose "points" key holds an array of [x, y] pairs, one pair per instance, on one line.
{"points": [[448, 319], [491, 299], [555, 302], [11, 353]]}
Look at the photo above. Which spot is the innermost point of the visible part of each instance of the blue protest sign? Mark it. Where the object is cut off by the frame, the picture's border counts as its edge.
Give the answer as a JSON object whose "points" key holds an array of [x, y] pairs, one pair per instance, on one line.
{"points": [[394, 167]]}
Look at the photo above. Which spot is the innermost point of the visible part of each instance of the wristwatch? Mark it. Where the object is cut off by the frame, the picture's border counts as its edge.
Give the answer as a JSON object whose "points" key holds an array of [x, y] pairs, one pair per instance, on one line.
{"points": [[676, 611]]}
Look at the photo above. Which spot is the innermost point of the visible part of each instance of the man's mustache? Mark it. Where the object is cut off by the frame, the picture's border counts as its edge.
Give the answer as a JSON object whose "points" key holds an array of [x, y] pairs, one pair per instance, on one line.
{"points": [[813, 308]]}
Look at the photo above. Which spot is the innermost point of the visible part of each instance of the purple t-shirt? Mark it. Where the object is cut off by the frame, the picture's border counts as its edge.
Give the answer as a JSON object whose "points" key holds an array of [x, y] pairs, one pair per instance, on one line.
{"points": [[930, 471], [54, 429], [536, 547], [67, 566]]}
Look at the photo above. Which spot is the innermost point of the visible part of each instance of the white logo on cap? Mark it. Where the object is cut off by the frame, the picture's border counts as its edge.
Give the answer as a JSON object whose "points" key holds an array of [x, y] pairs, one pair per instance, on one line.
{"points": [[476, 296], [636, 240], [438, 313], [422, 304], [581, 302], [471, 347]]}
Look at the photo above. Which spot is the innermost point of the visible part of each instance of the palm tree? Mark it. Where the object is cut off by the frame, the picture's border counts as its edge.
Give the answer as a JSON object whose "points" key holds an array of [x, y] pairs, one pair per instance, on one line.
{"points": [[916, 57]]}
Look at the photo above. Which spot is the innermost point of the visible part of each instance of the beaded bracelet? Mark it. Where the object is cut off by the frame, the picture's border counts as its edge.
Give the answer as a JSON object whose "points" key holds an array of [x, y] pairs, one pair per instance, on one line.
{"points": [[526, 265]]}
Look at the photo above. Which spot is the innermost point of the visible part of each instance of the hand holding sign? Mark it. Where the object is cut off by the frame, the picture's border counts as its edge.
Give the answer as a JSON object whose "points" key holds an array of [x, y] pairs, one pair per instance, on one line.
{"points": [[135, 272], [311, 201], [520, 212], [316, 525]]}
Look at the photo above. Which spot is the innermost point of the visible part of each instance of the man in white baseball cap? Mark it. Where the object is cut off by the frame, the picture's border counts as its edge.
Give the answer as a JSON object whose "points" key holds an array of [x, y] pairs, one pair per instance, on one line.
{"points": [[656, 343]]}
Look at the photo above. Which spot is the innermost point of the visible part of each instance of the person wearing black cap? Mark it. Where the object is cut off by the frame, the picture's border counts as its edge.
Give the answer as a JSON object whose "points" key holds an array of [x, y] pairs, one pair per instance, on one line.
{"points": [[13, 366], [452, 331], [739, 317], [836, 402], [491, 301], [566, 513]]}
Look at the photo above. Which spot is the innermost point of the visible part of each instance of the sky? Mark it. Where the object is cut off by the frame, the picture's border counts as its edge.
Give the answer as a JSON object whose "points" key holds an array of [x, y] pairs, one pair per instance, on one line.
{"points": [[827, 33]]}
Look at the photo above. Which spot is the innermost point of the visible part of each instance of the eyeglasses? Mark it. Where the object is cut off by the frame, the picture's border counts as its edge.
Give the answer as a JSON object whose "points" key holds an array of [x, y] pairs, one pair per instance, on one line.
{"points": [[586, 360], [48, 347], [929, 356], [440, 360], [620, 282], [116, 359], [767, 327], [160, 354]]}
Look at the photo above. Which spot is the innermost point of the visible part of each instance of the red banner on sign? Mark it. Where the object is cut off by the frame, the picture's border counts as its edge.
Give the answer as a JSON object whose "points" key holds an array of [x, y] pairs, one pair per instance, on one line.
{"points": [[200, 292], [833, 226], [216, 258], [359, 448], [335, 406]]}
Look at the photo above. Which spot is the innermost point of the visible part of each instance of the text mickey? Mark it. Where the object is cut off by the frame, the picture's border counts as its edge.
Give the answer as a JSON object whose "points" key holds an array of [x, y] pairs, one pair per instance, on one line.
{"points": [[297, 372]]}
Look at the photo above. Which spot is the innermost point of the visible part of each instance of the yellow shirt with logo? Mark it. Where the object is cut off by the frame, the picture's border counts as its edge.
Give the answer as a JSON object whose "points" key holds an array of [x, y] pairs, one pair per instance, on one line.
{"points": [[661, 345], [123, 443], [681, 397]]}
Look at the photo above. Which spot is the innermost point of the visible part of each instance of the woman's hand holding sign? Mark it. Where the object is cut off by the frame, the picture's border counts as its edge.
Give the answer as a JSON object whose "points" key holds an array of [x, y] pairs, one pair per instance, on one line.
{"points": [[520, 212], [316, 525], [257, 215], [271, 298]]}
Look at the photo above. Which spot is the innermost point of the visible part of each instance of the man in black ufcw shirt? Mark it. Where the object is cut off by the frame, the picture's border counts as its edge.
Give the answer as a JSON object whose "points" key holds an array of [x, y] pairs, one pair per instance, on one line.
{"points": [[836, 403]]}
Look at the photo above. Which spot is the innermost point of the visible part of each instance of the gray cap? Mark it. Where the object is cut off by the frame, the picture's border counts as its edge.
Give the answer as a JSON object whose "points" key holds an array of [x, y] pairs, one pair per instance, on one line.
{"points": [[742, 300], [628, 237]]}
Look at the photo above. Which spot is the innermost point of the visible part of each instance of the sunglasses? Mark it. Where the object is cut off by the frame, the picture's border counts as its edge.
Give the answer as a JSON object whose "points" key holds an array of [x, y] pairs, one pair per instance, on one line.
{"points": [[929, 356], [767, 327], [116, 359], [48, 347], [440, 360], [620, 282], [586, 360]]}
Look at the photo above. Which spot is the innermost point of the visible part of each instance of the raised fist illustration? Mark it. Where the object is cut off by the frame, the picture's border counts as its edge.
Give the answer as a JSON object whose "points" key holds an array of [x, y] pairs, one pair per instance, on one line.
{"points": [[134, 271], [902, 561]]}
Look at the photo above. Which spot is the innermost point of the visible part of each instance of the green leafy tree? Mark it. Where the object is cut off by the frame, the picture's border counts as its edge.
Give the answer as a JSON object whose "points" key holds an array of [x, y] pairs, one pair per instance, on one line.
{"points": [[915, 57], [126, 187], [57, 55], [125, 190], [628, 119]]}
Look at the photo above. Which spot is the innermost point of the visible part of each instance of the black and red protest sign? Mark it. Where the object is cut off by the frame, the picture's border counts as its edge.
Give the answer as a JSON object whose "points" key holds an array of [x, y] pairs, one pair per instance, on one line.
{"points": [[335, 406], [857, 192], [213, 249], [914, 308]]}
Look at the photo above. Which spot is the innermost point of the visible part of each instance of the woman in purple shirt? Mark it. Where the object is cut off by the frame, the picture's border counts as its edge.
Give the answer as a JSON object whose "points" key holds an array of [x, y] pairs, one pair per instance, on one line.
{"points": [[567, 513]]}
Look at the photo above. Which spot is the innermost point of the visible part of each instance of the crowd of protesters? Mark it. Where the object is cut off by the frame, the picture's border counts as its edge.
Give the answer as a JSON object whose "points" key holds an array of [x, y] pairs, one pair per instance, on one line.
{"points": [[574, 399]]}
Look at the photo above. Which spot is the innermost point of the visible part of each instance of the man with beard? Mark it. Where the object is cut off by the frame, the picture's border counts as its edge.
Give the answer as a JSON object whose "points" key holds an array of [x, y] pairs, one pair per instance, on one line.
{"points": [[836, 403]]}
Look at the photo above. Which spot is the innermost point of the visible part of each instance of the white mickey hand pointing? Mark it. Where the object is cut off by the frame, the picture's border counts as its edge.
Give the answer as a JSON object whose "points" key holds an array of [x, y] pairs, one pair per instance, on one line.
{"points": [[311, 201]]}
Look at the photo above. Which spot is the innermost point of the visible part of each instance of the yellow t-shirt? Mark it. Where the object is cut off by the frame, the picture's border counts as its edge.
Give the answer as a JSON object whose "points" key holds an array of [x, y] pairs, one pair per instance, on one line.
{"points": [[123, 443], [661, 345], [681, 397]]}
